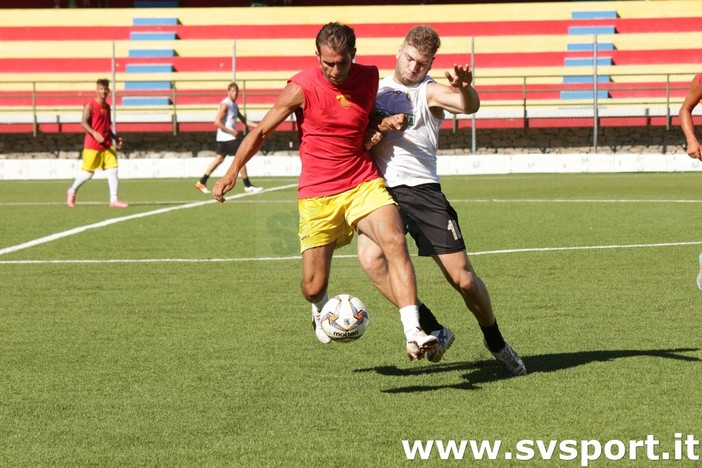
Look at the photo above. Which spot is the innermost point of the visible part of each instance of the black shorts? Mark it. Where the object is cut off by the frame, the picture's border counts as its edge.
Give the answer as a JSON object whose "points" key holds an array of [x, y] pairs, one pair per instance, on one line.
{"points": [[228, 148], [429, 218]]}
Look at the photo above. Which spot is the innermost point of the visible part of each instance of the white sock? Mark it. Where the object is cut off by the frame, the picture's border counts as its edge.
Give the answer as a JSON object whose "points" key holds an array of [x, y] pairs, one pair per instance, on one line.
{"points": [[83, 177], [409, 315], [319, 304], [112, 183]]}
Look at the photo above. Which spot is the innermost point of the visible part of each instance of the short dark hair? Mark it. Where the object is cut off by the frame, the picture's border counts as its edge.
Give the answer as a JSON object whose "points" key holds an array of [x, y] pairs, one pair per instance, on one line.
{"points": [[424, 38], [233, 85], [103, 82], [338, 37]]}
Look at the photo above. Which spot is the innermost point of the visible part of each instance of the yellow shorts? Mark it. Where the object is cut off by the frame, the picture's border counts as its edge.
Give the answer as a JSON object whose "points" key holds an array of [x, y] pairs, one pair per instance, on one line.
{"points": [[324, 220], [99, 159]]}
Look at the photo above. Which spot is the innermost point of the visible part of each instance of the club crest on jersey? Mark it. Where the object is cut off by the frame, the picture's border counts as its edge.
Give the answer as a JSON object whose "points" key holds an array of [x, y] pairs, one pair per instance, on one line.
{"points": [[344, 100]]}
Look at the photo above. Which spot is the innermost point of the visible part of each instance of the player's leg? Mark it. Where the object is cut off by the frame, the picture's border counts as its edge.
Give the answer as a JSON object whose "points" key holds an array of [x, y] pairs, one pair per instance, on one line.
{"points": [[218, 159], [383, 227], [202, 184], [248, 186], [374, 263], [322, 229], [373, 212], [82, 177], [316, 267], [459, 272], [109, 164], [88, 166]]}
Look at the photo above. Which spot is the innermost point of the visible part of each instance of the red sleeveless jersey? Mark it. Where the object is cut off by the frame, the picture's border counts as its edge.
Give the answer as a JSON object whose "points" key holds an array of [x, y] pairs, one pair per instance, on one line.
{"points": [[101, 122], [331, 125]]}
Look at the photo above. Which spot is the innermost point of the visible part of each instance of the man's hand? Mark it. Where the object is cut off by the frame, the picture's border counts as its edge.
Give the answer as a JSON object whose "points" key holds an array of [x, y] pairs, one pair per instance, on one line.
{"points": [[397, 122], [223, 185], [694, 150], [461, 78], [372, 138]]}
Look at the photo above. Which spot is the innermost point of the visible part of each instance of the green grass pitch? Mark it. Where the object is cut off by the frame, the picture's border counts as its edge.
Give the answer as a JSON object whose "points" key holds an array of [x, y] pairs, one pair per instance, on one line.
{"points": [[178, 336]]}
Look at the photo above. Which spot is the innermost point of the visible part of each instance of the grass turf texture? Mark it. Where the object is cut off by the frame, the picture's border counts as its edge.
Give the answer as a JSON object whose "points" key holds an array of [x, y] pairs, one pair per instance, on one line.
{"points": [[147, 342]]}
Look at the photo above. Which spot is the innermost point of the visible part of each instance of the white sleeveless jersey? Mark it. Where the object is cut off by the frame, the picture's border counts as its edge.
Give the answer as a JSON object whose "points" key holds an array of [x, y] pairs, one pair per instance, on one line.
{"points": [[229, 120], [409, 157]]}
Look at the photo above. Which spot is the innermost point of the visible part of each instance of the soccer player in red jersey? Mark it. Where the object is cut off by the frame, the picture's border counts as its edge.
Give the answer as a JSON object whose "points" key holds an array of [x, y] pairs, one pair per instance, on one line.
{"points": [[340, 190], [100, 146]]}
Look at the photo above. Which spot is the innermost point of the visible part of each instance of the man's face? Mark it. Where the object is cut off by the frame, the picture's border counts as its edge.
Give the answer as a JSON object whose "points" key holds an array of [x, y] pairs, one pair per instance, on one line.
{"points": [[335, 66], [412, 65], [102, 92], [233, 93]]}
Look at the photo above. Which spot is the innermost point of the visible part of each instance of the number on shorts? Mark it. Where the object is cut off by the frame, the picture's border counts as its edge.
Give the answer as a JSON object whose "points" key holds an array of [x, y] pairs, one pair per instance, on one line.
{"points": [[453, 227]]}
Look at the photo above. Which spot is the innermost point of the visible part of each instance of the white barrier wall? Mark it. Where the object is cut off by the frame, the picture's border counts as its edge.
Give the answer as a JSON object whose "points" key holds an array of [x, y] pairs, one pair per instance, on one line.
{"points": [[271, 166]]}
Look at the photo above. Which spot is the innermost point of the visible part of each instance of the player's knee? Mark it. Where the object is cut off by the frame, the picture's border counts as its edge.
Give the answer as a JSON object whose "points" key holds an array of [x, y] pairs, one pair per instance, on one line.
{"points": [[313, 288], [395, 245], [371, 260], [467, 282]]}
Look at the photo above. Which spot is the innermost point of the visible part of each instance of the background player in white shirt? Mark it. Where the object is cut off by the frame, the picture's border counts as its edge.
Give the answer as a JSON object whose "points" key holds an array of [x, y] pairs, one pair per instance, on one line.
{"points": [[228, 138]]}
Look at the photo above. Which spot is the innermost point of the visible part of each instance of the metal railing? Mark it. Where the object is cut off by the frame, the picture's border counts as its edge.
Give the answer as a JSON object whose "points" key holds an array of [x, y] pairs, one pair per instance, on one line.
{"points": [[524, 97]]}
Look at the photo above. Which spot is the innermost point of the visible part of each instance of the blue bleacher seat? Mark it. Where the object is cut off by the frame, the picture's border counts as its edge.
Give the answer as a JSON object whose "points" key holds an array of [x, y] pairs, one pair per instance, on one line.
{"points": [[586, 61], [583, 94], [586, 79], [145, 101], [150, 85], [155, 22], [582, 47], [151, 53], [592, 30], [607, 14], [149, 68], [152, 36]]}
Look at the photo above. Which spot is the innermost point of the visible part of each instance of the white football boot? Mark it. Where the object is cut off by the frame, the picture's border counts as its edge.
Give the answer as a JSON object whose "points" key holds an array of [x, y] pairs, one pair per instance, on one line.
{"points": [[317, 326]]}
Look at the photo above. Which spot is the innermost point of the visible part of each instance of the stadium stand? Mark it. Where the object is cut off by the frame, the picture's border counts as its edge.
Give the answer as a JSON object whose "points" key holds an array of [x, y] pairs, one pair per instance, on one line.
{"points": [[171, 65]]}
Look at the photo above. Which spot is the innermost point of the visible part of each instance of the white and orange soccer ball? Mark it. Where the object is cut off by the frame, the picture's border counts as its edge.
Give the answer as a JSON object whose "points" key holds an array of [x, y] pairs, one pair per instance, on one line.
{"points": [[344, 318]]}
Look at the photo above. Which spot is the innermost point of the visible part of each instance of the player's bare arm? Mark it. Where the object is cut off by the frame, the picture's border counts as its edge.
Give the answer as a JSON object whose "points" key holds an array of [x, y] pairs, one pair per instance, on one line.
{"points": [[374, 133], [290, 99], [459, 97], [245, 122], [693, 97]]}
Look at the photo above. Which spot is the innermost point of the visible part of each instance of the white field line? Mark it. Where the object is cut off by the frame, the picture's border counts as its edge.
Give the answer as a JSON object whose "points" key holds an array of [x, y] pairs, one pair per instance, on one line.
{"points": [[297, 257], [464, 200], [108, 222]]}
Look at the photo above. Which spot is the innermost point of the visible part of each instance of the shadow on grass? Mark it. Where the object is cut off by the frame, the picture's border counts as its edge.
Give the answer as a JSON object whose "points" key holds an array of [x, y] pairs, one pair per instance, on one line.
{"points": [[485, 371]]}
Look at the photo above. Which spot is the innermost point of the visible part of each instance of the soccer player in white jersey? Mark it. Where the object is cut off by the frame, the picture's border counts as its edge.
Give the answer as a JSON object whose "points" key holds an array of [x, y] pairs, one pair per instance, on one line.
{"points": [[407, 160]]}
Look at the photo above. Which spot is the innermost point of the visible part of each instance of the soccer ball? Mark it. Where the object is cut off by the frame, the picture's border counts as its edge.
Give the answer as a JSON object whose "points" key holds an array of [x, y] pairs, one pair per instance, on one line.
{"points": [[344, 318]]}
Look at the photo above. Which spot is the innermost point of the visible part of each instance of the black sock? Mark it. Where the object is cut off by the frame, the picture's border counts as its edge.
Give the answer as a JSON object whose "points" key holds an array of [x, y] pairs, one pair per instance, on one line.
{"points": [[493, 337], [427, 320], [203, 181], [246, 182]]}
